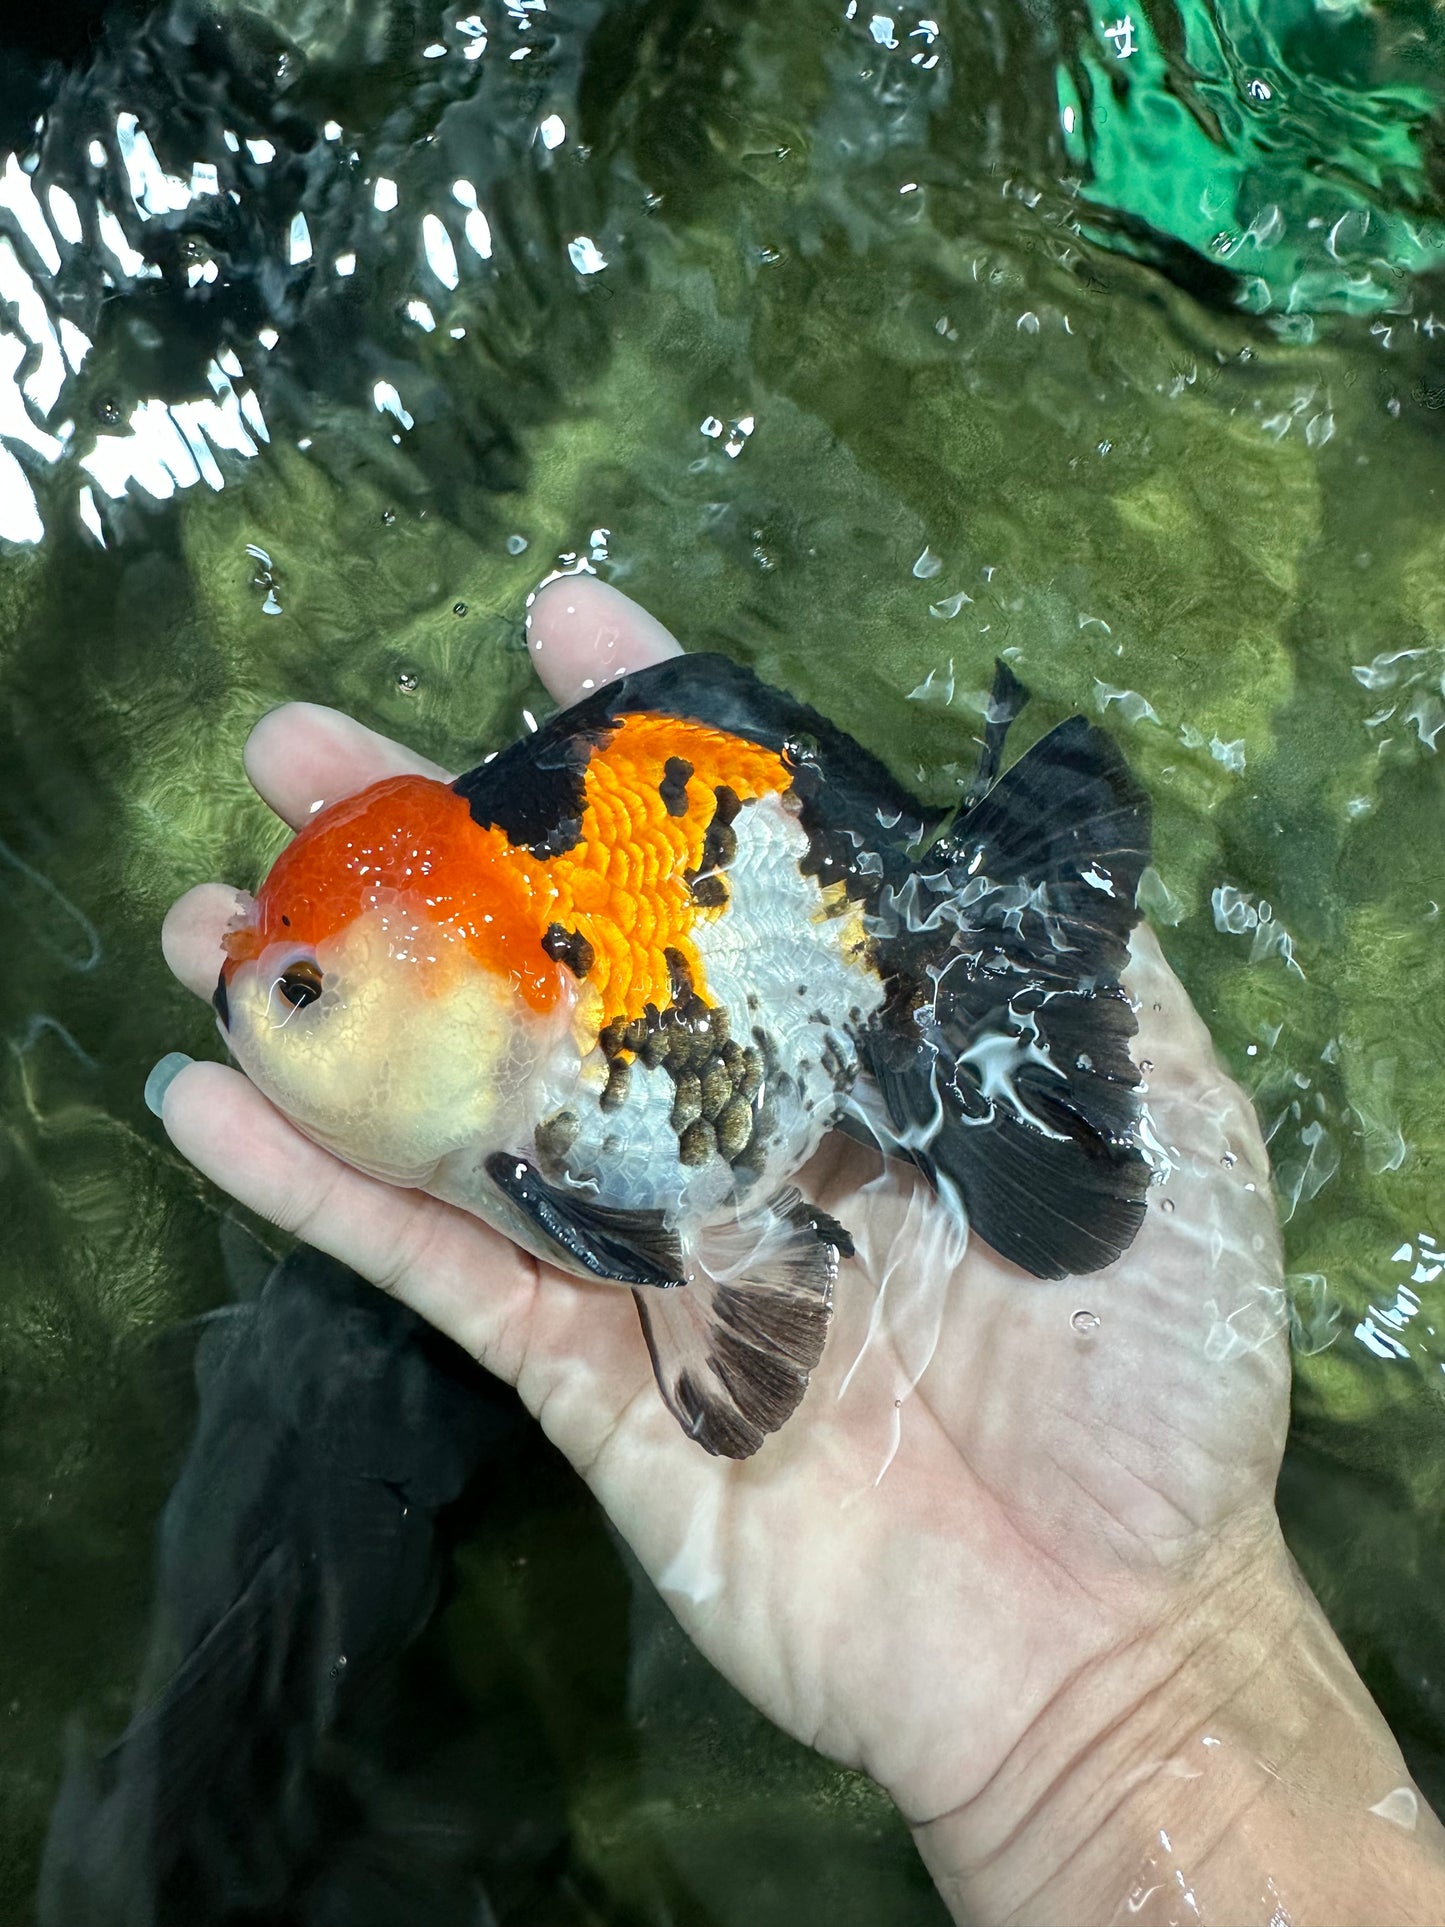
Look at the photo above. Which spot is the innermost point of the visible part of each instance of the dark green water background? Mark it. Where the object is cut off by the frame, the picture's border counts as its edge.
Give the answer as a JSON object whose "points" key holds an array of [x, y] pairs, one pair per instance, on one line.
{"points": [[920, 335]]}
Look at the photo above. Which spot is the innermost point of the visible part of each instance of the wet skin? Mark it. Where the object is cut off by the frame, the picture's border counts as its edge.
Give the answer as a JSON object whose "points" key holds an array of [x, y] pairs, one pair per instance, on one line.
{"points": [[1064, 1501]]}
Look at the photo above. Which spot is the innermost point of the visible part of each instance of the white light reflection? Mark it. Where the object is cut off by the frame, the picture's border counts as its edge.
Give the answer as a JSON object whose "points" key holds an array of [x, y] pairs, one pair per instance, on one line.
{"points": [[90, 515], [299, 240], [65, 215], [19, 196], [553, 131], [345, 265], [384, 197], [43, 384], [441, 256], [74, 345], [19, 512], [585, 255], [171, 448], [151, 188], [421, 314], [388, 402], [478, 229], [134, 266]]}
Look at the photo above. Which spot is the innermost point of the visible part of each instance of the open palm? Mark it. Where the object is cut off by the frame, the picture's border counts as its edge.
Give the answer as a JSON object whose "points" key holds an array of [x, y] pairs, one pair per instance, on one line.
{"points": [[991, 1483]]}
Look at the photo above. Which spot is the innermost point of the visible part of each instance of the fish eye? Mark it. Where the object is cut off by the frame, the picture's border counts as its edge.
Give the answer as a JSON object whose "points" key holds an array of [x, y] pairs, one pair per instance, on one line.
{"points": [[301, 984]]}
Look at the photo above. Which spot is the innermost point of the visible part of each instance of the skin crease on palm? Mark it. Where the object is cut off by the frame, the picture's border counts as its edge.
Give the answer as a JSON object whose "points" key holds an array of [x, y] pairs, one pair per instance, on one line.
{"points": [[909, 1573]]}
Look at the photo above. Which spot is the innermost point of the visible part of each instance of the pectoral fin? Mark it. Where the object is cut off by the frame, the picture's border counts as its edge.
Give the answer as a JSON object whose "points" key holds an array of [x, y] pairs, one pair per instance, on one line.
{"points": [[733, 1349], [634, 1247]]}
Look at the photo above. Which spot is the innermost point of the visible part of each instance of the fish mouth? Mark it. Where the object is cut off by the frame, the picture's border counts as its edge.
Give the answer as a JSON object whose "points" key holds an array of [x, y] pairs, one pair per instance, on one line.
{"points": [[220, 1001]]}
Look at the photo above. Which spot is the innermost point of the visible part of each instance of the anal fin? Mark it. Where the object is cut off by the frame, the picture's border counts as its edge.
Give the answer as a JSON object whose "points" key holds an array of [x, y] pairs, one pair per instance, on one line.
{"points": [[733, 1348]]}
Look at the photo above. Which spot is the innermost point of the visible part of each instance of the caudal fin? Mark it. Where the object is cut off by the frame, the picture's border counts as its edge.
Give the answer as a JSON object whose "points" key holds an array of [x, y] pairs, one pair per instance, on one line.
{"points": [[1002, 1052], [734, 1347]]}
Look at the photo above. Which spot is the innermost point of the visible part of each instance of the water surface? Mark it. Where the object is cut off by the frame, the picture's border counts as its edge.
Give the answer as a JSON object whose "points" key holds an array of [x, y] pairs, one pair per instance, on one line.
{"points": [[864, 346]]}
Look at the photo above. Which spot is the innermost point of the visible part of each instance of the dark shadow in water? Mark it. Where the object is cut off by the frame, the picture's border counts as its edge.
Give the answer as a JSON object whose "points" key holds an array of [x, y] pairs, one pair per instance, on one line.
{"points": [[289, 1760]]}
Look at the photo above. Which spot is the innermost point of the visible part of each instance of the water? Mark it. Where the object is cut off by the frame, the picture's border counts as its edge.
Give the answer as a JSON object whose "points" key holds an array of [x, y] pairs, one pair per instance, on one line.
{"points": [[863, 345]]}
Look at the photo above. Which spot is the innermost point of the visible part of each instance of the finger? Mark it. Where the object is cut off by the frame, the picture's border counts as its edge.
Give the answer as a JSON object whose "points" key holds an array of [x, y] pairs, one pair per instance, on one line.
{"points": [[463, 1277], [1185, 1079], [192, 932], [583, 633], [302, 756]]}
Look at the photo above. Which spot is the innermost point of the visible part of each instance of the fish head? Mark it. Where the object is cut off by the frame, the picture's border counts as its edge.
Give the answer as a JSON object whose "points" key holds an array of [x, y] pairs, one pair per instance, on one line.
{"points": [[378, 989]]}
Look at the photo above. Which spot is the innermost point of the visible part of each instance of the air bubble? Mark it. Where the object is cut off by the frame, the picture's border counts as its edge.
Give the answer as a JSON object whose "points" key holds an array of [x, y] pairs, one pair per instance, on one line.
{"points": [[516, 544], [1229, 1160], [459, 608], [1166, 1204], [1146, 1064], [408, 681], [1085, 1321], [388, 516]]}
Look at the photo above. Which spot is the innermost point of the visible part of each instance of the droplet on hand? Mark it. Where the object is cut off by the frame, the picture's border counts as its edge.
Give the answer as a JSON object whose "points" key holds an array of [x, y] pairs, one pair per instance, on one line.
{"points": [[1085, 1322]]}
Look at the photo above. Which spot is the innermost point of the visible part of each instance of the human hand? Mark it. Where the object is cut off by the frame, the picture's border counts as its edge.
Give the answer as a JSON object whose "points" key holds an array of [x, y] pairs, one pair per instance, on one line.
{"points": [[998, 1494]]}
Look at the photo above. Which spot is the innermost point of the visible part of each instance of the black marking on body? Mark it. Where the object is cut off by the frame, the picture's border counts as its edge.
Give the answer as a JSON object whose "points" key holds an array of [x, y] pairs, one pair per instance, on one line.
{"points": [[619, 1077], [719, 851], [716, 1079], [673, 787], [535, 791], [553, 1139], [569, 947]]}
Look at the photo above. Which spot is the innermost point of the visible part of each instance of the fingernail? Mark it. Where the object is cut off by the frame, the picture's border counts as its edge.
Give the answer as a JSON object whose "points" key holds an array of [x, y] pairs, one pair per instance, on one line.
{"points": [[163, 1076]]}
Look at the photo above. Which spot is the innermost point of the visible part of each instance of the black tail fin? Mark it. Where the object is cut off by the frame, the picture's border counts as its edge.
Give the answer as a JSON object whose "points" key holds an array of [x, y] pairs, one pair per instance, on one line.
{"points": [[1002, 1052]]}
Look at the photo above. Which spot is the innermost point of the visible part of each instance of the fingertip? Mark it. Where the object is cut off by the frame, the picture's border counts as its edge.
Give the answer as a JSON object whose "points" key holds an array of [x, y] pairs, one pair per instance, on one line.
{"points": [[189, 1099], [192, 932], [583, 633], [303, 756]]}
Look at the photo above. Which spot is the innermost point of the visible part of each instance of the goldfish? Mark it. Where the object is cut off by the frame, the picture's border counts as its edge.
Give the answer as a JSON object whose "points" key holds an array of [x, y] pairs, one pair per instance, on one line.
{"points": [[610, 990]]}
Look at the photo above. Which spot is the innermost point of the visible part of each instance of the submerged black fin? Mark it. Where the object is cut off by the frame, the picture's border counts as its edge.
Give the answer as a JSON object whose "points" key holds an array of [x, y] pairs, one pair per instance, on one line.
{"points": [[1002, 1052], [733, 1353], [634, 1247], [1006, 700]]}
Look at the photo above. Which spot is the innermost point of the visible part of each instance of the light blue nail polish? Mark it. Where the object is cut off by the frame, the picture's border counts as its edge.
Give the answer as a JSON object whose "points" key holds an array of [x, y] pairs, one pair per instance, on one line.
{"points": [[163, 1076]]}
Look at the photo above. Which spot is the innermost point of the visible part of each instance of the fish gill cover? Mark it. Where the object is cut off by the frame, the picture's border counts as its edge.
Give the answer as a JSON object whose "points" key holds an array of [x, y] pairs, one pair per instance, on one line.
{"points": [[327, 331]]}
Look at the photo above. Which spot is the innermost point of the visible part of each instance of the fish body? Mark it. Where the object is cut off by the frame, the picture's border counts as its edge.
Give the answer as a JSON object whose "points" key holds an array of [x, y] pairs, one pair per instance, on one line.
{"points": [[610, 990]]}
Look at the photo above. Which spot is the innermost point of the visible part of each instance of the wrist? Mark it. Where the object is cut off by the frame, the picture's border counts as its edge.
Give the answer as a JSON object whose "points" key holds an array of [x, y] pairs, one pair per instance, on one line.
{"points": [[1221, 1753]]}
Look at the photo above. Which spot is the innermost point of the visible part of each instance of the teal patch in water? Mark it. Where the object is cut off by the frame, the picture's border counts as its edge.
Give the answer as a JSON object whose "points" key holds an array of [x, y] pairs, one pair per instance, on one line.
{"points": [[1286, 145]]}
